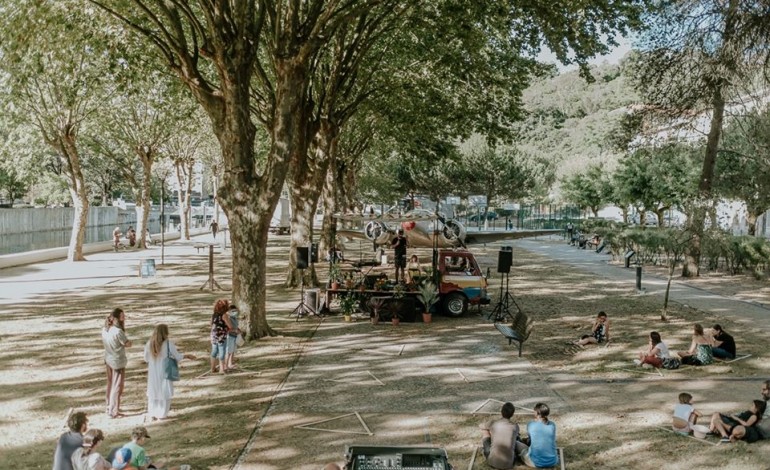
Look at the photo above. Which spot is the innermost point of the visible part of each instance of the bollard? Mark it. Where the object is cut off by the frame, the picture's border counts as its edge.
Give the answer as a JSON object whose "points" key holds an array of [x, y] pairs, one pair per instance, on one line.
{"points": [[639, 277]]}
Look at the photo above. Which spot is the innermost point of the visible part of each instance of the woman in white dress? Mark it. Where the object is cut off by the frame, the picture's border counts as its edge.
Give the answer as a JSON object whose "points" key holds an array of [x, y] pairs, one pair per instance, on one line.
{"points": [[159, 389]]}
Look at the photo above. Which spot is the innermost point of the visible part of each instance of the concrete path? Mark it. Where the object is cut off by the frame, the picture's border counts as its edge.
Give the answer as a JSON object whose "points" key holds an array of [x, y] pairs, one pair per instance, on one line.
{"points": [[24, 283], [587, 260]]}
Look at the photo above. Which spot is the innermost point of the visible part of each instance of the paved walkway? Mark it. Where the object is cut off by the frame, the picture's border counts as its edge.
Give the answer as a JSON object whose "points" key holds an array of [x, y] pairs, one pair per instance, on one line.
{"points": [[24, 283], [587, 260]]}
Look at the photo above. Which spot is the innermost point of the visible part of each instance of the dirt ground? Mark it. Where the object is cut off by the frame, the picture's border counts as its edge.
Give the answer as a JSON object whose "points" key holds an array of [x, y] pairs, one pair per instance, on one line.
{"points": [[412, 384]]}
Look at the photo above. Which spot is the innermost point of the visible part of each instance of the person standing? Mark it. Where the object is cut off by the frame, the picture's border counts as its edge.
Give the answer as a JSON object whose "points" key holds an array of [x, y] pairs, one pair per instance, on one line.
{"points": [[115, 344], [220, 325], [131, 235], [399, 247], [214, 228], [724, 344], [116, 238], [499, 439], [159, 389], [70, 441]]}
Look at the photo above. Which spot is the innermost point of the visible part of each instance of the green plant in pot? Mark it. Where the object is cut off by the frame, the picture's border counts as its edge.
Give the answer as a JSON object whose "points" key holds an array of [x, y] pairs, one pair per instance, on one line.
{"points": [[397, 304], [348, 305], [428, 297], [334, 275]]}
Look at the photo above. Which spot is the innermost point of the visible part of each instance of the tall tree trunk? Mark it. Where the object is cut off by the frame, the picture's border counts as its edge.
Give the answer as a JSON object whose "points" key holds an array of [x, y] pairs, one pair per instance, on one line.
{"points": [[249, 202], [691, 265], [143, 204], [79, 193], [305, 189], [329, 198], [752, 214], [184, 171]]}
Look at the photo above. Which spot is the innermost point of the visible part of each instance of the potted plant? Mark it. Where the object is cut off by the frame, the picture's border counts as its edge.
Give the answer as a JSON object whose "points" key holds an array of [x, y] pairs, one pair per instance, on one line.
{"points": [[429, 297], [334, 276], [397, 305], [348, 305]]}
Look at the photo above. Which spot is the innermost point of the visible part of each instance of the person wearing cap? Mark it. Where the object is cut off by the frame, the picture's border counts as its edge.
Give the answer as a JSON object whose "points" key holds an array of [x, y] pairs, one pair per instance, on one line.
{"points": [[70, 441], [399, 247], [139, 458], [86, 457], [122, 459]]}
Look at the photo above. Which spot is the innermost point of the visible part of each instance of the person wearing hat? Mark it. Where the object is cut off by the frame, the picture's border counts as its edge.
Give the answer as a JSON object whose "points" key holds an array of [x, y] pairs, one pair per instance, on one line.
{"points": [[139, 458], [122, 459], [399, 247]]}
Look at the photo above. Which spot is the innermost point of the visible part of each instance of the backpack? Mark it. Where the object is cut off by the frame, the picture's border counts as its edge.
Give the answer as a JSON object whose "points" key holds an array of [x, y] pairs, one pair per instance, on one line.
{"points": [[671, 363]]}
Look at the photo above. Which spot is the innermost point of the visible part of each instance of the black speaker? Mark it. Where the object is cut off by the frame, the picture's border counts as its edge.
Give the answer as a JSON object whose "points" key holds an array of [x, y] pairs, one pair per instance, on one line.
{"points": [[504, 260], [314, 252], [303, 256]]}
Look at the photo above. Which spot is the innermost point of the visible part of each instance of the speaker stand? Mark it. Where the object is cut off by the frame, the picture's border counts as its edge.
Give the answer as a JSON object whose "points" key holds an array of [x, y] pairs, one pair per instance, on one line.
{"points": [[211, 282], [503, 307], [303, 309]]}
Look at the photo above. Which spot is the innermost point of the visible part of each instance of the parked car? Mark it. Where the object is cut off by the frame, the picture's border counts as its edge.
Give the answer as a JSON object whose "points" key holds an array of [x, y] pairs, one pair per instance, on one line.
{"points": [[491, 215]]}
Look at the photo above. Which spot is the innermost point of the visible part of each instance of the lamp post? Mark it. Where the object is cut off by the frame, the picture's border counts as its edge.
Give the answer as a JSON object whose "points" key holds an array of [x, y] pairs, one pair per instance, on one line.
{"points": [[162, 222]]}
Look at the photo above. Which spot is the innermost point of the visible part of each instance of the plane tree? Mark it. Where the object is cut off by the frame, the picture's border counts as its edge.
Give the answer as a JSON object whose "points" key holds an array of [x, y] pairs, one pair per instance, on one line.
{"points": [[502, 171], [743, 168], [656, 179], [55, 62], [228, 52], [246, 62], [588, 189], [697, 57]]}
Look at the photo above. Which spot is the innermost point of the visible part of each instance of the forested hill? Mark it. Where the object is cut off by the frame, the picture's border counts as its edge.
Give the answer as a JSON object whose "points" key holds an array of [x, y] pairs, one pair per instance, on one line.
{"points": [[570, 119]]}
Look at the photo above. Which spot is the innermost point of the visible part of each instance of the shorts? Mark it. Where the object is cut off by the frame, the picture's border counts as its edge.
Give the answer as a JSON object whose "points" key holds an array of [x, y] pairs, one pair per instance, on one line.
{"points": [[752, 434], [218, 350], [232, 346], [400, 261]]}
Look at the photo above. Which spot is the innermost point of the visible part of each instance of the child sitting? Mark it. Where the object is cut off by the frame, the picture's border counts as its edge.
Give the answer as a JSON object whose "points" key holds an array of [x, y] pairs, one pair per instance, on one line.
{"points": [[684, 414]]}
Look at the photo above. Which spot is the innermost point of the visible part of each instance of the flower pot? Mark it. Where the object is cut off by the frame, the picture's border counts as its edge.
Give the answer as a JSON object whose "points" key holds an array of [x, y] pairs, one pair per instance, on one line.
{"points": [[348, 318], [427, 317], [375, 318], [395, 321], [335, 285]]}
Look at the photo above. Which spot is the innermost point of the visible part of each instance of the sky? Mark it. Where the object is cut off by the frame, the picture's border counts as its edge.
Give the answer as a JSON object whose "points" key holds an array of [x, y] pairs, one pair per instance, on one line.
{"points": [[613, 57]]}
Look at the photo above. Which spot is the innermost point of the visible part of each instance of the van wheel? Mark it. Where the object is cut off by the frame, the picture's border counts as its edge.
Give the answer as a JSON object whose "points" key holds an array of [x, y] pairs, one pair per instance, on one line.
{"points": [[455, 304]]}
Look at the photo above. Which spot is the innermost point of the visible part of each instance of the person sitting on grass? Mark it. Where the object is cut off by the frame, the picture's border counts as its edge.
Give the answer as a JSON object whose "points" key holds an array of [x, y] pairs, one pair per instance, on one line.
{"points": [[723, 344], [70, 441], [685, 415], [499, 439], [86, 458], [655, 354], [739, 431], [541, 452], [699, 353], [139, 458], [748, 419], [600, 331]]}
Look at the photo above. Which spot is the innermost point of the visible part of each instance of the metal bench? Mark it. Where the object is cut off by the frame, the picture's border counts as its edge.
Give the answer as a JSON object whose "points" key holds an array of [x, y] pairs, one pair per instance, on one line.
{"points": [[199, 246], [518, 331]]}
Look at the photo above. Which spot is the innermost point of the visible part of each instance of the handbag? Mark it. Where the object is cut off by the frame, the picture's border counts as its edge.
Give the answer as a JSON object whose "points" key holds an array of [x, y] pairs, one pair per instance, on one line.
{"points": [[239, 341], [172, 368]]}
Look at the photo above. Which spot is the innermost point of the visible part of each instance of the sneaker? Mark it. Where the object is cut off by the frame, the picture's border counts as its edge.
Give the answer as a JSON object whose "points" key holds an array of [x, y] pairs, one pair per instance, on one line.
{"points": [[725, 439], [647, 366], [637, 362]]}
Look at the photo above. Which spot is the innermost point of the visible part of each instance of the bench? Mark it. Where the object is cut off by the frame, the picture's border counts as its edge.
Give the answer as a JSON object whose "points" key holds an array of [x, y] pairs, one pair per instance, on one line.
{"points": [[518, 331], [198, 246]]}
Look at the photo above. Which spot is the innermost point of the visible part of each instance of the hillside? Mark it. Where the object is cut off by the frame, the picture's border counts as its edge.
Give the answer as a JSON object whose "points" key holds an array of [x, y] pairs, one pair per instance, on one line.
{"points": [[569, 119]]}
